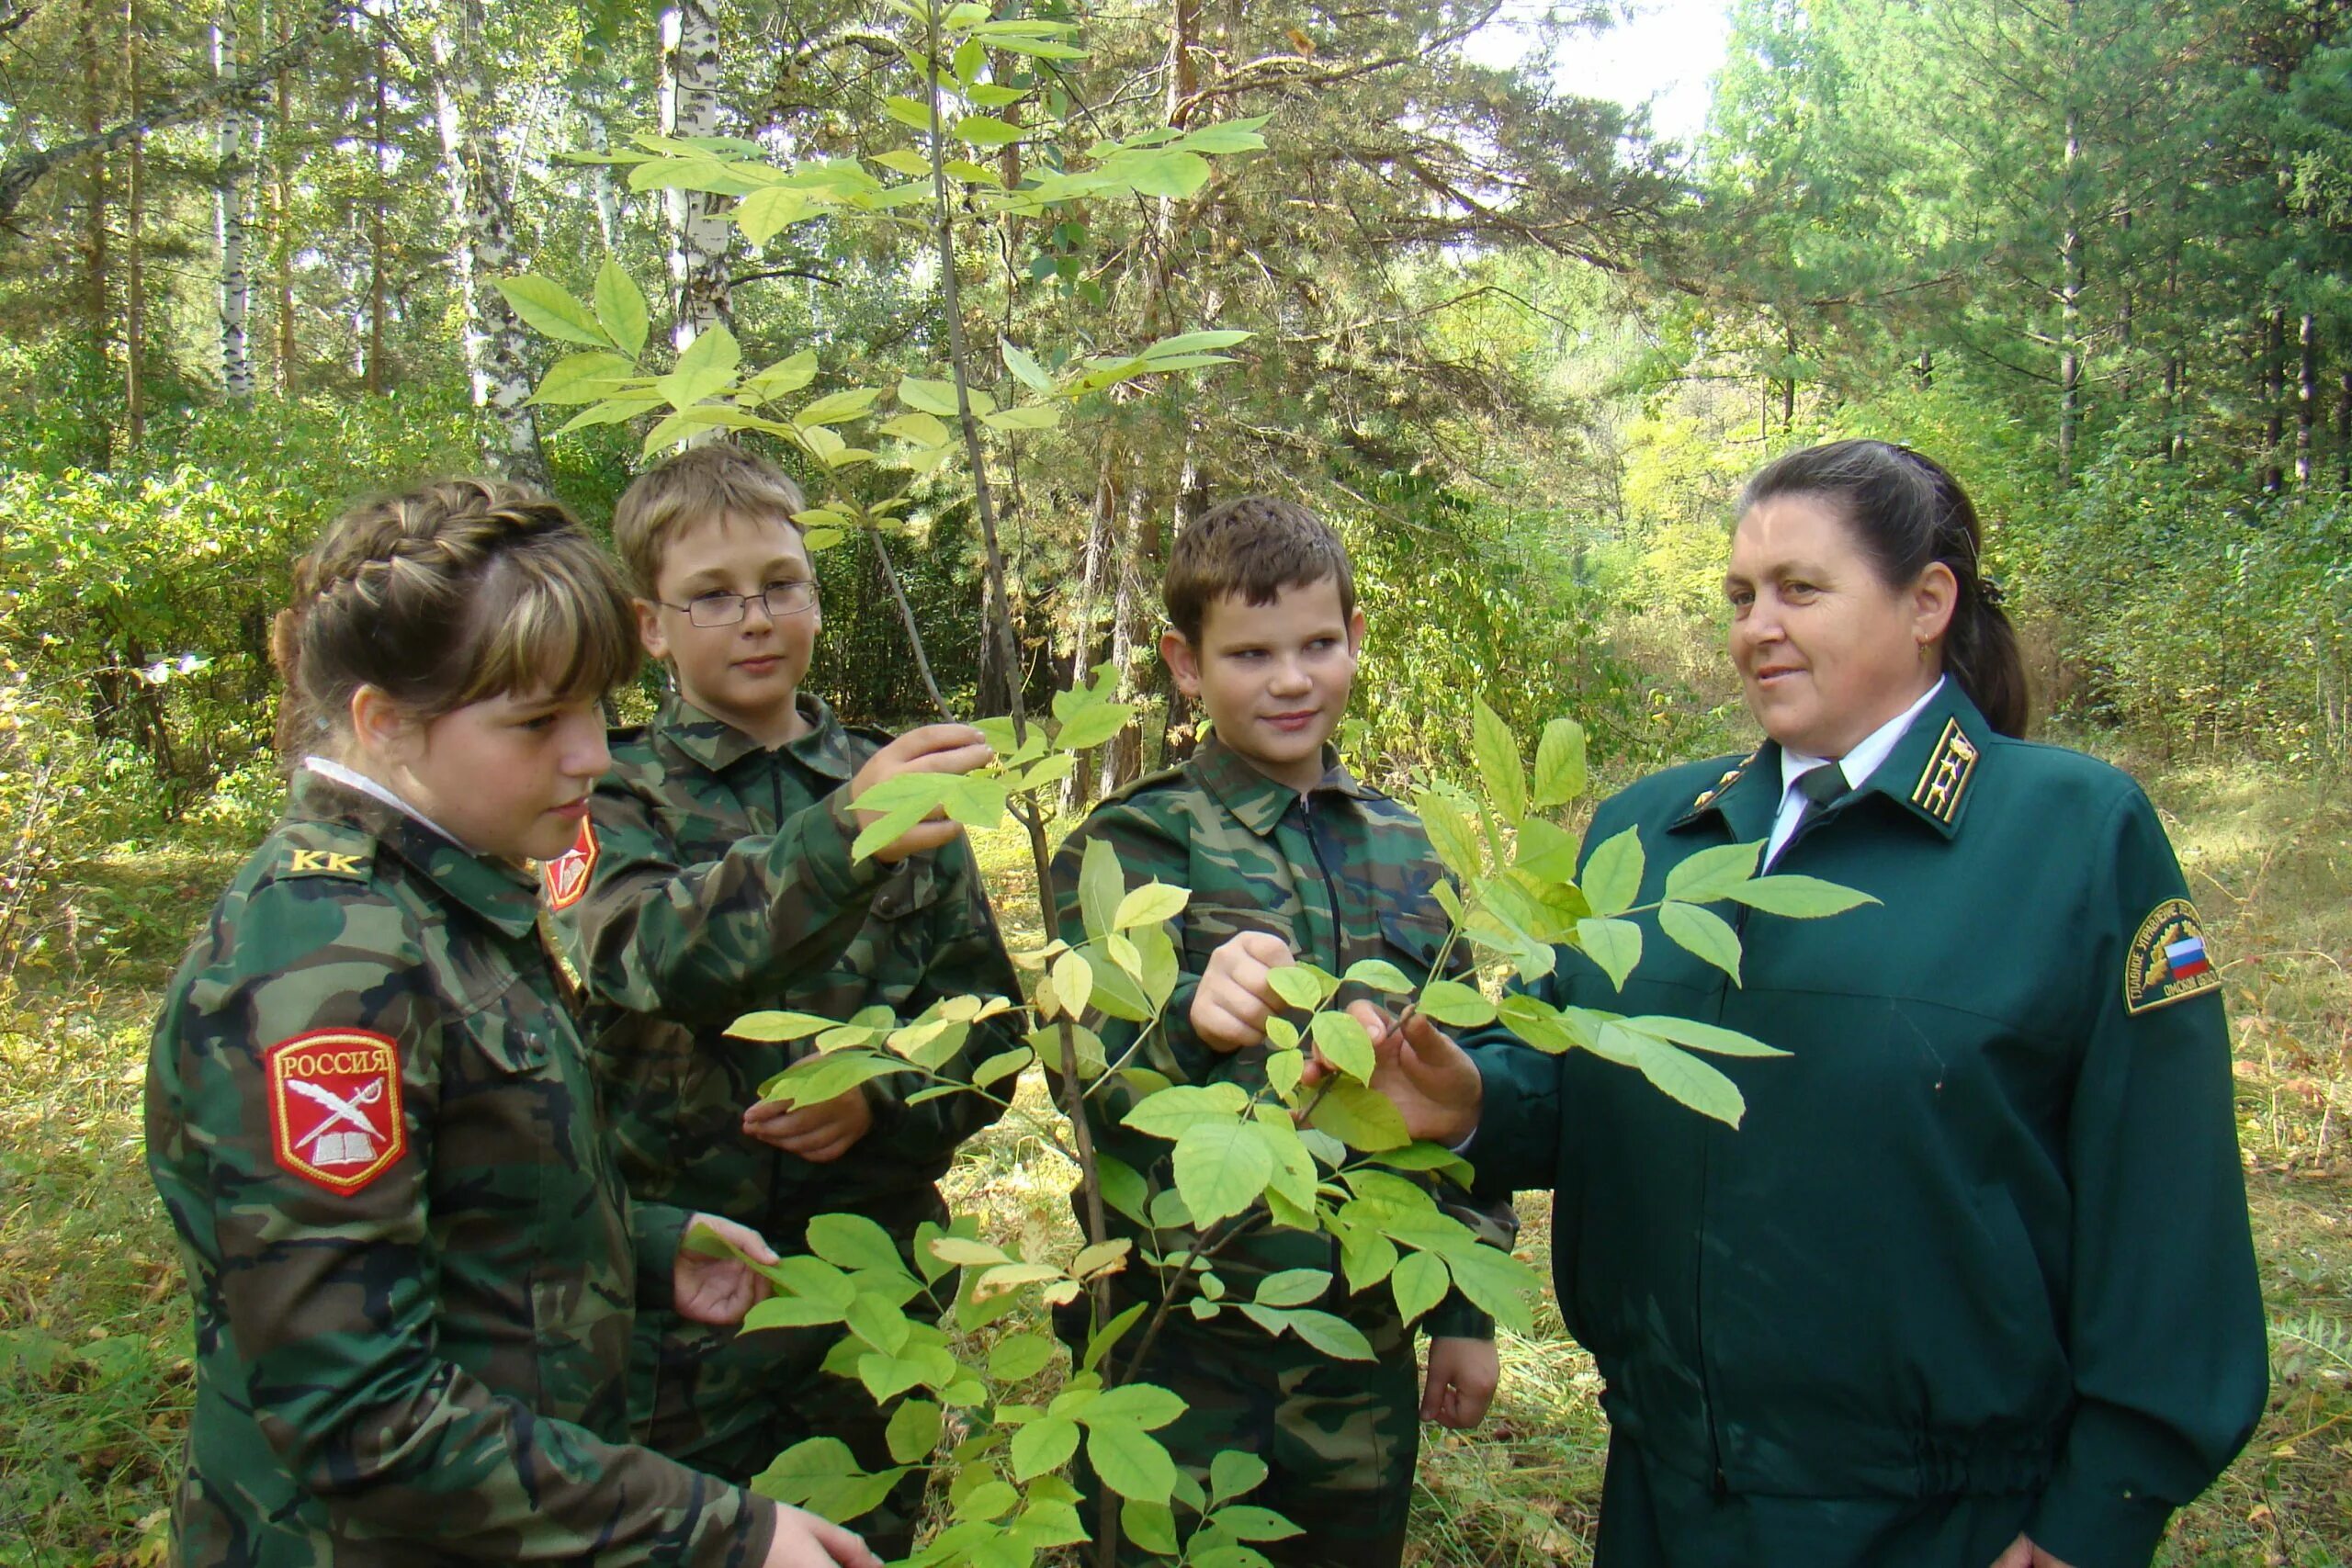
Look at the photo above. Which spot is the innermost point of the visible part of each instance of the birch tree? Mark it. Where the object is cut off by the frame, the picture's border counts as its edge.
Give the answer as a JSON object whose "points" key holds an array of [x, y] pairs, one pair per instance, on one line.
{"points": [[700, 231], [230, 142]]}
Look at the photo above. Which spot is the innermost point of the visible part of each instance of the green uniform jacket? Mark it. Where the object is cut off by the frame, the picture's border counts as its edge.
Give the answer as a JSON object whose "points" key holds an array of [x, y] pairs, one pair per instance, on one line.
{"points": [[689, 920], [368, 1118], [1341, 873], [1985, 1230]]}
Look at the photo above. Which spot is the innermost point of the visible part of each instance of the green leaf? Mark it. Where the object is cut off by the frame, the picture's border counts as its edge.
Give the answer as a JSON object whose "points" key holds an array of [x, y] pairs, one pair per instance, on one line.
{"points": [[1559, 763], [1359, 1117], [1157, 172], [1798, 897], [1027, 416], [853, 1241], [837, 406], [1500, 768], [912, 113], [994, 95], [1612, 877], [1151, 1526], [1380, 974], [1245, 1522], [1615, 945], [620, 308], [1221, 1168], [612, 411], [988, 1502], [709, 363], [1332, 1334], [787, 375], [1017, 1358], [1455, 1005], [1451, 835], [1705, 933], [1144, 1404], [1130, 1461], [904, 161], [583, 377], [1694, 1083], [1420, 1282], [1043, 1445], [987, 130], [1149, 905], [1713, 873], [1547, 852], [1297, 984], [1093, 725], [1228, 136], [1293, 1287], [1497, 1285], [1700, 1036], [1170, 1112], [1234, 1473], [1193, 343], [914, 1430], [778, 1027], [1345, 1044], [928, 396], [547, 309], [1100, 886], [1024, 367]]}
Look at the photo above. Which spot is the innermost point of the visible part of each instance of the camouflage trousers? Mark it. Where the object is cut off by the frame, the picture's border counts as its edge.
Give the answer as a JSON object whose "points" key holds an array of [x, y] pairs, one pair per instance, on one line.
{"points": [[1655, 1517], [1339, 1438]]}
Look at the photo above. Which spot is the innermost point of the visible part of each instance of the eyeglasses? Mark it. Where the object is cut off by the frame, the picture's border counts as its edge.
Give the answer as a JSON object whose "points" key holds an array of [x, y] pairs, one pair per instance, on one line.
{"points": [[778, 599]]}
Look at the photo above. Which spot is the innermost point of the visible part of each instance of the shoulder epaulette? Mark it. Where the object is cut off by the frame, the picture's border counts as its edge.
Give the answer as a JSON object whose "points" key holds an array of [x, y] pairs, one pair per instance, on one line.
{"points": [[346, 855], [1149, 781], [1731, 776]]}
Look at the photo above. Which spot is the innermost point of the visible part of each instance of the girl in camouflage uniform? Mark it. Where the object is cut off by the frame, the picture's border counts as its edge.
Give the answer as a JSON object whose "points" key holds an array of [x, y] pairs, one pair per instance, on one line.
{"points": [[413, 1263]]}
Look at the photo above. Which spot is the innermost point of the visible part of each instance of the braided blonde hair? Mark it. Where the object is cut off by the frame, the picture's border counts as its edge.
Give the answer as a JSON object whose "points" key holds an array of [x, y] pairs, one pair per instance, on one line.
{"points": [[455, 591]]}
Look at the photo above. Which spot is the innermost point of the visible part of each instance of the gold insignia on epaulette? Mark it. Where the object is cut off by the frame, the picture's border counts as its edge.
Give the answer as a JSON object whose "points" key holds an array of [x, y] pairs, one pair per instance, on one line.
{"points": [[1945, 778], [1731, 776], [2167, 961], [329, 863]]}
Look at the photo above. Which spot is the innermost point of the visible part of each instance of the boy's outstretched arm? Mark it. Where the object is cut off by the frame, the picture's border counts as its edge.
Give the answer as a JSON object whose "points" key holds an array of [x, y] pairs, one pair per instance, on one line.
{"points": [[704, 943]]}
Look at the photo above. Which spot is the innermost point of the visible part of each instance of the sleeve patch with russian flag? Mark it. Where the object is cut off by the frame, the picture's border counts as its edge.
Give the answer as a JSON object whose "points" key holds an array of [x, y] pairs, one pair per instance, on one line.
{"points": [[335, 1106], [566, 876], [2168, 961]]}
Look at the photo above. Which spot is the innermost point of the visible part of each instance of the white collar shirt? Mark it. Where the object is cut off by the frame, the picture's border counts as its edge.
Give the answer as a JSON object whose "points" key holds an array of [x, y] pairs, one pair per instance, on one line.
{"points": [[1859, 765]]}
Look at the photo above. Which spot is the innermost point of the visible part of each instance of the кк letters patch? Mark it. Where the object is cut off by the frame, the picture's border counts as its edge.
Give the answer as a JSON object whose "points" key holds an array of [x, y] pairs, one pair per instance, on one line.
{"points": [[335, 1106], [566, 876], [2168, 962]]}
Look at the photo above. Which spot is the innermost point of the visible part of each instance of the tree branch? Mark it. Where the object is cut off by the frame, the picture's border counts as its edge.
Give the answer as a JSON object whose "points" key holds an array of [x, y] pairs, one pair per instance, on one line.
{"points": [[20, 173]]}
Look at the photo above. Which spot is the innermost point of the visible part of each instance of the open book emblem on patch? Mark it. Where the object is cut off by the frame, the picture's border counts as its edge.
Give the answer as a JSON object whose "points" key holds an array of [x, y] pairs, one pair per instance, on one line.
{"points": [[566, 876], [335, 1106]]}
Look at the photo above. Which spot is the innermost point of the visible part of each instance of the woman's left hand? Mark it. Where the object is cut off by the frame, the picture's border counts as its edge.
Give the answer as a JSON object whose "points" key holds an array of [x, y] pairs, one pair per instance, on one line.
{"points": [[720, 1289], [2023, 1554], [1461, 1378]]}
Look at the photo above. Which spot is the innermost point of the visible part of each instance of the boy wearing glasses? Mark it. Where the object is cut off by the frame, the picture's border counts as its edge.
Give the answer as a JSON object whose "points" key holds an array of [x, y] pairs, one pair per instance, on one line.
{"points": [[718, 822]]}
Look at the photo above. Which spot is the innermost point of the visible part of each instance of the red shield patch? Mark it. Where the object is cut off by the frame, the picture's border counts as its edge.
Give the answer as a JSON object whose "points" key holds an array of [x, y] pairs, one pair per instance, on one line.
{"points": [[566, 876], [335, 1106]]}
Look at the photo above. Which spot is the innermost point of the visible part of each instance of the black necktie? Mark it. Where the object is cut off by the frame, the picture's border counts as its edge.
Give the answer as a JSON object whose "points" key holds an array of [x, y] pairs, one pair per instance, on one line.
{"points": [[1819, 786]]}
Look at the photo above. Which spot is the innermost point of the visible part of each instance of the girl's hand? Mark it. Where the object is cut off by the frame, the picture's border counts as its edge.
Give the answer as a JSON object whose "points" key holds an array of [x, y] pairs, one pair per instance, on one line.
{"points": [[804, 1540], [720, 1290], [1460, 1383], [819, 1132]]}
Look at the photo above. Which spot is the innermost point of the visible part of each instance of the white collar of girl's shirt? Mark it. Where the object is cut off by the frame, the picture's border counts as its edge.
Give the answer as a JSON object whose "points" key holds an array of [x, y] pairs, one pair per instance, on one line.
{"points": [[327, 768], [1864, 760]]}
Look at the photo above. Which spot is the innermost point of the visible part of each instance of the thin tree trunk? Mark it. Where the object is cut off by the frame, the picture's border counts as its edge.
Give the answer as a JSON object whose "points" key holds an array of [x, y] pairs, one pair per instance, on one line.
{"points": [[282, 209], [96, 317], [2273, 373], [497, 356], [229, 145], [2344, 430], [698, 229], [2306, 398], [1122, 754], [135, 215], [2070, 266], [1078, 788], [1178, 736], [379, 193], [602, 186]]}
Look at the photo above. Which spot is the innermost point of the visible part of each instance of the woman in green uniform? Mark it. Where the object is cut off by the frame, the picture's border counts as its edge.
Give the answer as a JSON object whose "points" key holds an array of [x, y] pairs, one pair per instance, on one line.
{"points": [[369, 1116], [1972, 1284]]}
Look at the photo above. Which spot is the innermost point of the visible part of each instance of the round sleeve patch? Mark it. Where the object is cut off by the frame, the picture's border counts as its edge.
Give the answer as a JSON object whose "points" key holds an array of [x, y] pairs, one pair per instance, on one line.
{"points": [[2168, 961], [335, 1106], [566, 876]]}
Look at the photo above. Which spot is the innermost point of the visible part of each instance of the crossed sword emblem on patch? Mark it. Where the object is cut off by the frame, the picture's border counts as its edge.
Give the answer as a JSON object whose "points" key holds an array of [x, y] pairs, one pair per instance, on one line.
{"points": [[339, 1110]]}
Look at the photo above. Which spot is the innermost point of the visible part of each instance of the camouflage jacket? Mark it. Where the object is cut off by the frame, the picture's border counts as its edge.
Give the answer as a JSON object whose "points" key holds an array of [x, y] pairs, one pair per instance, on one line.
{"points": [[694, 828], [1341, 873], [410, 1251]]}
